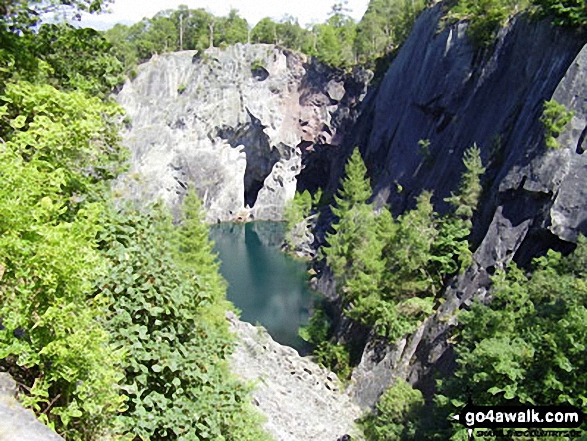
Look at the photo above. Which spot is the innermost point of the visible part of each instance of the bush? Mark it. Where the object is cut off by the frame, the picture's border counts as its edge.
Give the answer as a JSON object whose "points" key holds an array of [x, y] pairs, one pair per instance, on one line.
{"points": [[257, 64], [485, 17], [176, 376], [52, 340], [570, 13], [334, 356], [395, 415], [554, 119]]}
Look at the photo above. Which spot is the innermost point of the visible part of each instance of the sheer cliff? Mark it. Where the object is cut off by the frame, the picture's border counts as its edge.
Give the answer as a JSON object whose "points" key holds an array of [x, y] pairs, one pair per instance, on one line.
{"points": [[442, 89], [235, 123]]}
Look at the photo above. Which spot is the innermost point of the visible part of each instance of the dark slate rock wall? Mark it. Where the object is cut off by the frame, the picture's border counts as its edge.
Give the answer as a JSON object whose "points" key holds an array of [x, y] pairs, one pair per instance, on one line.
{"points": [[442, 89]]}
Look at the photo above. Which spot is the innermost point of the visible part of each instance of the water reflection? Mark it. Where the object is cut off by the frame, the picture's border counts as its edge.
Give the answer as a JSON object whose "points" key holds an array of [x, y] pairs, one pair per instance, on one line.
{"points": [[269, 287]]}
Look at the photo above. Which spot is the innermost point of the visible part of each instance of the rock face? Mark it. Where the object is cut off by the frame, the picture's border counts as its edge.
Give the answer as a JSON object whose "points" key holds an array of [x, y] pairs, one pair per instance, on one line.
{"points": [[442, 89], [300, 239], [16, 422], [233, 123], [301, 400]]}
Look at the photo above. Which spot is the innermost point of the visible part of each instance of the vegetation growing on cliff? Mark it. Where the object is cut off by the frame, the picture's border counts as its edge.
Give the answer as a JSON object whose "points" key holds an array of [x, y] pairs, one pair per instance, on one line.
{"points": [[389, 271], [554, 119], [396, 414], [527, 346], [111, 320], [488, 16]]}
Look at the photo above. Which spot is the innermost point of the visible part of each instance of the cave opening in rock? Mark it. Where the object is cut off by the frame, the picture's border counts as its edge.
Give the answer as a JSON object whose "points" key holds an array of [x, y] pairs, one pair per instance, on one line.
{"points": [[252, 188], [261, 156]]}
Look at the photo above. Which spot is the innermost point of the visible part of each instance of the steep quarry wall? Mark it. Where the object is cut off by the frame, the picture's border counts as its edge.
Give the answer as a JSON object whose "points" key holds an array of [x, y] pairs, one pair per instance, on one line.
{"points": [[234, 123], [442, 89]]}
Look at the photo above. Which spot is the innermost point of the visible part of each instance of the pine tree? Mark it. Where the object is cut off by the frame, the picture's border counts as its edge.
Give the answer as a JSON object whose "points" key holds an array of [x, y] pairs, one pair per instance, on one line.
{"points": [[193, 250], [408, 252], [353, 214], [455, 228], [466, 199], [356, 186]]}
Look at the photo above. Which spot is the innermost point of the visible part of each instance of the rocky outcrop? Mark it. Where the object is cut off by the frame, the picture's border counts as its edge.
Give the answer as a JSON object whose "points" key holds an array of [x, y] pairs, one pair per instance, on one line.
{"points": [[234, 123], [299, 241], [301, 400], [442, 89], [16, 422]]}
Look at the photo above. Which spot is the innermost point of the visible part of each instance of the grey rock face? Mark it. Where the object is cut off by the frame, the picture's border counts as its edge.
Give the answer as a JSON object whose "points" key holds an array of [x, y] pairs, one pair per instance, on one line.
{"points": [[16, 422], [441, 89], [233, 123], [301, 400], [300, 240]]}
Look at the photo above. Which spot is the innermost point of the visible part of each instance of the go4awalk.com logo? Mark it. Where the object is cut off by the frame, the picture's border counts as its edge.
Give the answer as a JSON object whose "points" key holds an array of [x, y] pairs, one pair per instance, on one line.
{"points": [[521, 421]]}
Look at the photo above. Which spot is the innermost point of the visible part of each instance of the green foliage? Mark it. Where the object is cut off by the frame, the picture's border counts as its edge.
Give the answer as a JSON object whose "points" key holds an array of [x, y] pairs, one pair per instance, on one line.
{"points": [[176, 375], [396, 413], [257, 64], [318, 328], [354, 214], [334, 356], [384, 27], [356, 187], [78, 58], [570, 13], [451, 248], [485, 17], [296, 215], [527, 346], [465, 201], [194, 251], [181, 88], [339, 42], [51, 340], [390, 271], [554, 119], [173, 30], [65, 131], [90, 298], [298, 209], [424, 145], [62, 56], [21, 15], [265, 31]]}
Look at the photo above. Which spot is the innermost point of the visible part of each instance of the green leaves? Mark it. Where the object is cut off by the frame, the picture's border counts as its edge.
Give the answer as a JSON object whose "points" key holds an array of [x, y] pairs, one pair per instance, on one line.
{"points": [[569, 13], [52, 340], [527, 345], [554, 119], [397, 412], [176, 376]]}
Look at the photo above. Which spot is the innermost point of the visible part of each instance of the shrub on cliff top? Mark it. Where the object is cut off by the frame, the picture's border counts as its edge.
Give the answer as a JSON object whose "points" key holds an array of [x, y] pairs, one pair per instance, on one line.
{"points": [[554, 119]]}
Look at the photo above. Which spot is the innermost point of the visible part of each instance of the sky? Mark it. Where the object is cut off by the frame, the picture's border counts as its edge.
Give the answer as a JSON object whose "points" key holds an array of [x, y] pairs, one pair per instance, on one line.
{"points": [[306, 11]]}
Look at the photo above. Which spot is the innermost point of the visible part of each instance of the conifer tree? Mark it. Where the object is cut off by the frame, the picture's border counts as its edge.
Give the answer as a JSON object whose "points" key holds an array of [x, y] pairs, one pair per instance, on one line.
{"points": [[193, 249], [455, 228], [354, 215], [356, 186], [409, 252]]}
